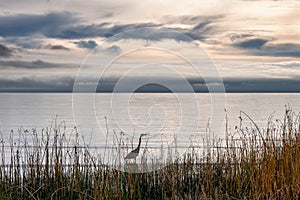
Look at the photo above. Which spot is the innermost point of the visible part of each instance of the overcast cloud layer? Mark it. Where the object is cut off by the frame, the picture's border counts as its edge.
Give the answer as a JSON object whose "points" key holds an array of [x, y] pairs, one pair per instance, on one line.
{"points": [[254, 44]]}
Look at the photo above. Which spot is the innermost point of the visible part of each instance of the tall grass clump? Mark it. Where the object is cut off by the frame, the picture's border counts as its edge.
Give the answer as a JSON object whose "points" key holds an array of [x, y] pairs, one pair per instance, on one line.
{"points": [[253, 163]]}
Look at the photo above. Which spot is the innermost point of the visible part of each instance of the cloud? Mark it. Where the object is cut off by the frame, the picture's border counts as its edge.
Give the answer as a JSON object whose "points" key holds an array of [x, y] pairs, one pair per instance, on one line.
{"points": [[92, 45], [157, 32], [113, 50], [64, 25], [5, 51], [35, 84], [282, 50], [37, 42], [64, 83], [235, 36], [264, 47], [30, 24], [251, 44], [57, 47], [86, 44], [105, 30], [80, 31], [262, 85], [287, 65], [27, 42], [190, 19], [270, 84], [38, 64], [202, 26], [151, 34]]}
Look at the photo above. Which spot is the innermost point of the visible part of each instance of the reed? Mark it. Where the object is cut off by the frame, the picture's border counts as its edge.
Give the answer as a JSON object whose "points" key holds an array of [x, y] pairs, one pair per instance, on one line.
{"points": [[255, 163]]}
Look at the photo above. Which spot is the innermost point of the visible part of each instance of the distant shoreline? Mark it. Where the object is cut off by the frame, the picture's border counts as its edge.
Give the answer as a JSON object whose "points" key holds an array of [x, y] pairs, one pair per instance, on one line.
{"points": [[226, 92]]}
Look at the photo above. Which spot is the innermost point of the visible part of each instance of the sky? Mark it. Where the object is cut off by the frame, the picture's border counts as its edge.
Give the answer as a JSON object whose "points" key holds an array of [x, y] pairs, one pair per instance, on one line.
{"points": [[56, 46]]}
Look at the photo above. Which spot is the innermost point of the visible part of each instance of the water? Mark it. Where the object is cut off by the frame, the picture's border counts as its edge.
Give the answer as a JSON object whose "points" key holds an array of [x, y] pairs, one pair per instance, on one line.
{"points": [[143, 111], [124, 117]]}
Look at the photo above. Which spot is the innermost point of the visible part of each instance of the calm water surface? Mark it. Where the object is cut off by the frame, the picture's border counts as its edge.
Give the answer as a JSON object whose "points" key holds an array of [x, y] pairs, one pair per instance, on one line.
{"points": [[162, 116]]}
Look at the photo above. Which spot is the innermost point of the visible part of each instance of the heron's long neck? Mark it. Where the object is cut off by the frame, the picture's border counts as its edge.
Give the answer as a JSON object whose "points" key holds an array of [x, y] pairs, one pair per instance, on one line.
{"points": [[140, 140]]}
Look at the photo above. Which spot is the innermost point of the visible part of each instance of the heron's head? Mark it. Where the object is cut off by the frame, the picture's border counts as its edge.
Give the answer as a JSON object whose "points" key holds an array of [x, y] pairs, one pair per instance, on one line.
{"points": [[143, 135]]}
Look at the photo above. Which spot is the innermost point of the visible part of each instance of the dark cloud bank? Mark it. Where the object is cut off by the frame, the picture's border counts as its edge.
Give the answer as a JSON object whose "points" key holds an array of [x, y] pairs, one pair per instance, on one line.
{"points": [[65, 84], [66, 25], [35, 65]]}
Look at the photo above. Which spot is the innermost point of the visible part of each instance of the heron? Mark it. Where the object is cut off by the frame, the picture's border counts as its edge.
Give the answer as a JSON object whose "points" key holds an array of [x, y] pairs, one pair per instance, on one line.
{"points": [[135, 152]]}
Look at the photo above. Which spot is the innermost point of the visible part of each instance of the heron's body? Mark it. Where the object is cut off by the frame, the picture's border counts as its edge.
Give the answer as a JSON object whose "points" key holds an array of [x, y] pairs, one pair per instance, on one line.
{"points": [[135, 152], [131, 155]]}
